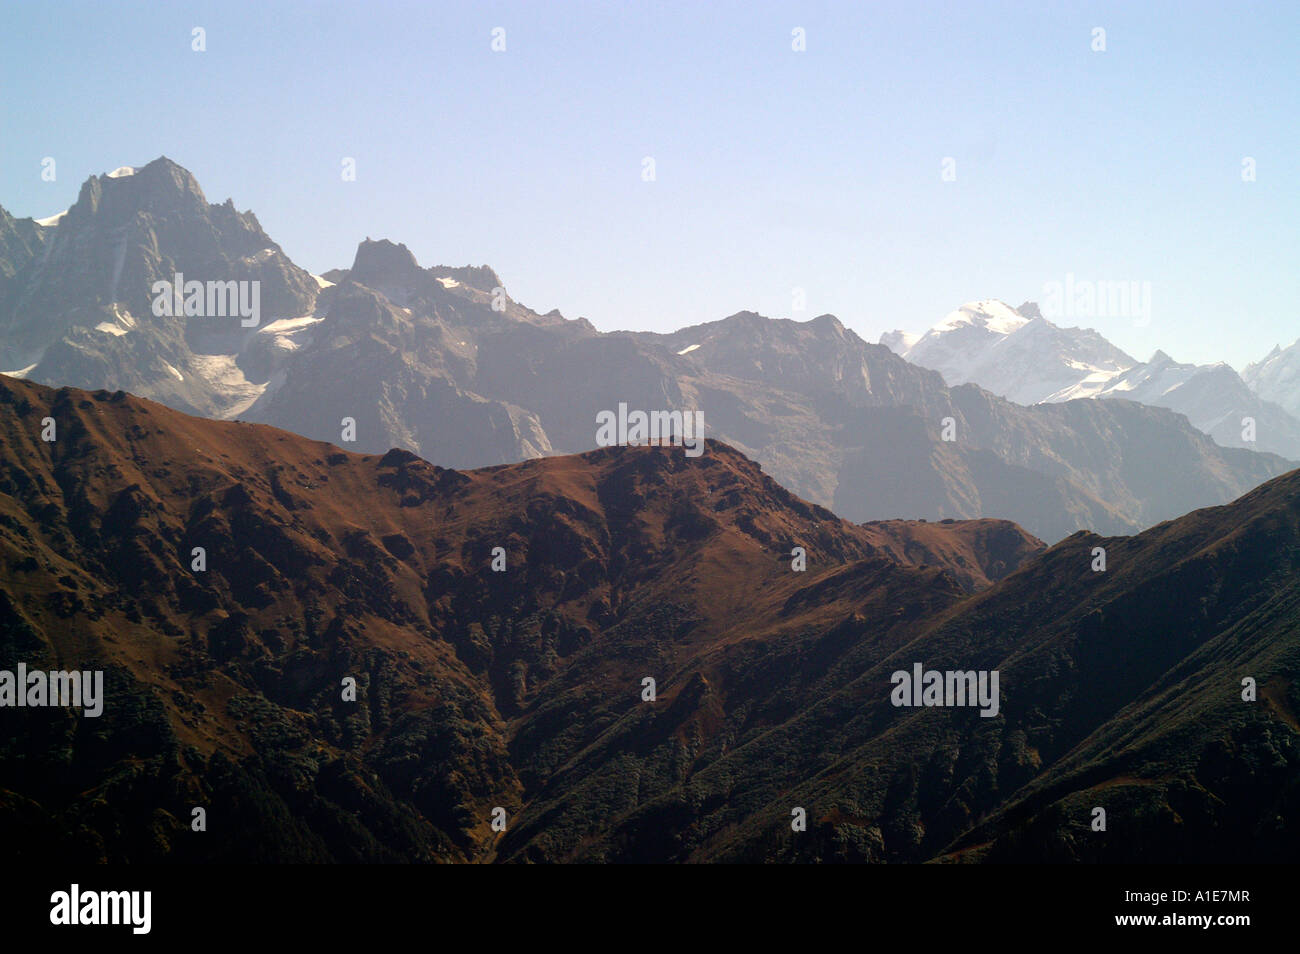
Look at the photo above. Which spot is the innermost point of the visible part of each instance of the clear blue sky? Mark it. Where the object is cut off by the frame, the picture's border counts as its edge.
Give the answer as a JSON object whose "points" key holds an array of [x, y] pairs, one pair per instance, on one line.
{"points": [[775, 169]]}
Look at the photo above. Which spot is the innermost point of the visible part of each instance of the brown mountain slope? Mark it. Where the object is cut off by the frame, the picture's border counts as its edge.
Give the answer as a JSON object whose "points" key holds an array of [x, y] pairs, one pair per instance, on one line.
{"points": [[1121, 690], [224, 684], [523, 689]]}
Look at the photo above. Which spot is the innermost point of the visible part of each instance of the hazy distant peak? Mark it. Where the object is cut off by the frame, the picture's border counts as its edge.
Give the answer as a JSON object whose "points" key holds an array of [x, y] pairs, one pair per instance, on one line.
{"points": [[1277, 377], [990, 314], [1159, 358], [899, 341]]}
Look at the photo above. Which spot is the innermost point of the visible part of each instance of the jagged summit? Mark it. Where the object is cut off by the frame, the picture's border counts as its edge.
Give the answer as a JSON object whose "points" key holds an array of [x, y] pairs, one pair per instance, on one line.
{"points": [[379, 263], [385, 264], [20, 241], [1277, 377], [992, 315], [83, 309], [481, 277], [1019, 354], [158, 188], [437, 361]]}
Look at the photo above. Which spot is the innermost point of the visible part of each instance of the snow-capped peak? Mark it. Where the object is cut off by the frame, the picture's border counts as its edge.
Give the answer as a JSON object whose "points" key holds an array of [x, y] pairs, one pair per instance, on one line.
{"points": [[1277, 377], [121, 172], [990, 314], [1014, 352], [52, 220]]}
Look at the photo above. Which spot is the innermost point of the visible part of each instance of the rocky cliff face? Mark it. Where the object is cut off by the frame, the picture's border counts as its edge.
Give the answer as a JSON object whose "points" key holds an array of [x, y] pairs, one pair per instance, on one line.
{"points": [[84, 309]]}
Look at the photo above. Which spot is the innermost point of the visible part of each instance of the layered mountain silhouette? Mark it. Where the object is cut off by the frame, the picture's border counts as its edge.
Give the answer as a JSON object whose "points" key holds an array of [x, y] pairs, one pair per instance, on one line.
{"points": [[441, 362], [521, 687], [1020, 355]]}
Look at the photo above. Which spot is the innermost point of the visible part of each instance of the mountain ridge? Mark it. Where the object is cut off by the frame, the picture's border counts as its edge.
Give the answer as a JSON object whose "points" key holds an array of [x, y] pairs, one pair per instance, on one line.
{"points": [[522, 689], [441, 361]]}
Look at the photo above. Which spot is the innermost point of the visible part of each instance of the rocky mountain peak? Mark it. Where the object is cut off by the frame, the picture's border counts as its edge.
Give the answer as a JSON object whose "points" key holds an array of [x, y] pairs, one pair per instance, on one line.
{"points": [[1160, 358], [827, 322], [381, 264], [158, 188], [480, 277]]}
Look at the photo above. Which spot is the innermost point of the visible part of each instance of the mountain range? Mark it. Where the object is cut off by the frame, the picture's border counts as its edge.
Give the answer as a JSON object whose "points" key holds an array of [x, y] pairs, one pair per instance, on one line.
{"points": [[440, 361], [1020, 355], [499, 626]]}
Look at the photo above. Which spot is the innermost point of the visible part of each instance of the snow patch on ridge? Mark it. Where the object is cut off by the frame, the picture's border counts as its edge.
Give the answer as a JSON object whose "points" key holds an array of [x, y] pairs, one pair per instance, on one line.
{"points": [[288, 332], [124, 322], [287, 325], [223, 375]]}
